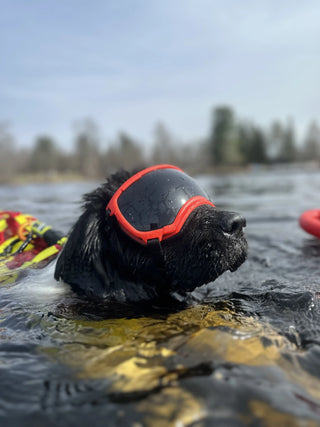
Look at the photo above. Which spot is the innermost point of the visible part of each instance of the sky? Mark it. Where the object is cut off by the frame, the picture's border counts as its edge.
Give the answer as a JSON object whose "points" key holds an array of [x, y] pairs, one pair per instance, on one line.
{"points": [[129, 64]]}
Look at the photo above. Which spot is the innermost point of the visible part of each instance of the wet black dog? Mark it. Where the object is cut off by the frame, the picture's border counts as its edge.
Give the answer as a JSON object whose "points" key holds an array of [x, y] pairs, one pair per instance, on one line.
{"points": [[100, 260]]}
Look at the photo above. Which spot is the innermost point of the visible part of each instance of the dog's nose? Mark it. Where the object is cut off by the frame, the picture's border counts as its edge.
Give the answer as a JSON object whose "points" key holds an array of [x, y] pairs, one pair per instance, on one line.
{"points": [[232, 222]]}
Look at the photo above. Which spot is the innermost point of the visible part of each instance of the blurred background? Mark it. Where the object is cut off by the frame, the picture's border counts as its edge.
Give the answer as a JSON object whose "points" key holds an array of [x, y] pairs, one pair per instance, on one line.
{"points": [[209, 85]]}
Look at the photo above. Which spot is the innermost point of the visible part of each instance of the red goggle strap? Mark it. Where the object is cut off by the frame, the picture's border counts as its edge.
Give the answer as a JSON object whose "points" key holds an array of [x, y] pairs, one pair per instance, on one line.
{"points": [[135, 178], [165, 232]]}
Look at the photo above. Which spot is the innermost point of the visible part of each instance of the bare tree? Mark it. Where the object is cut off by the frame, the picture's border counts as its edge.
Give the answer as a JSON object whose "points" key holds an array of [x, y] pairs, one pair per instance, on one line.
{"points": [[124, 153], [8, 160], [87, 156], [165, 146]]}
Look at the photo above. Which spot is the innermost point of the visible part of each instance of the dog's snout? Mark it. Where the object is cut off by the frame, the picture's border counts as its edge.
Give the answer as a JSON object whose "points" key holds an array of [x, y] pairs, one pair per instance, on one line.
{"points": [[232, 223]]}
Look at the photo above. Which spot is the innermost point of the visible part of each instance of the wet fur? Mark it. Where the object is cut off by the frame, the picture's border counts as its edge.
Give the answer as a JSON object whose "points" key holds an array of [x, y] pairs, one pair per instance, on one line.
{"points": [[100, 260]]}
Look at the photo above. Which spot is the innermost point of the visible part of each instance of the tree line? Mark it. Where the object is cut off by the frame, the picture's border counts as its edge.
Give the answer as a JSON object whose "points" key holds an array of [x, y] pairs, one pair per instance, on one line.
{"points": [[231, 142], [238, 142]]}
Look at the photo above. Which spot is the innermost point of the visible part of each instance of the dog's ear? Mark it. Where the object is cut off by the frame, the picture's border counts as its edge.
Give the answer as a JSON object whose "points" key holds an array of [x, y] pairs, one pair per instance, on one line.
{"points": [[82, 262], [77, 263]]}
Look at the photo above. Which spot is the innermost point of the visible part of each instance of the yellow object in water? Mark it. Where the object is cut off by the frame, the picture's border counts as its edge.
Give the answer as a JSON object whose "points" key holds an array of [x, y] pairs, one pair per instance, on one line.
{"points": [[25, 242]]}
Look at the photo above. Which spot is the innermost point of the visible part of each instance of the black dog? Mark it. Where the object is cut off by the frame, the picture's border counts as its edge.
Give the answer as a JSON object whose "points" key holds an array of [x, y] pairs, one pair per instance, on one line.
{"points": [[101, 260]]}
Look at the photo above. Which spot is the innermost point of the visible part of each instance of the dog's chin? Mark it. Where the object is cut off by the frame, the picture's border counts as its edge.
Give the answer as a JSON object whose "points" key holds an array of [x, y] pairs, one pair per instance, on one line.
{"points": [[207, 269], [236, 253], [234, 267]]}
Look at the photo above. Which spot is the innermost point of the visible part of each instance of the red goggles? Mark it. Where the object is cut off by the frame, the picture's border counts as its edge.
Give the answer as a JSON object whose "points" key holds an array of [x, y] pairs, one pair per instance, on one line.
{"points": [[156, 202]]}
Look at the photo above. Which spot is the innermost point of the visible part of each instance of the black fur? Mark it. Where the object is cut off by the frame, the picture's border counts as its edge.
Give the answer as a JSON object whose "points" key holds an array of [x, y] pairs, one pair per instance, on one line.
{"points": [[100, 260]]}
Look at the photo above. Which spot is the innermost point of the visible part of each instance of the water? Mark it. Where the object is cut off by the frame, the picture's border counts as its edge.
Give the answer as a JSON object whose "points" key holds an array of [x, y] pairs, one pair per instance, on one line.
{"points": [[245, 352]]}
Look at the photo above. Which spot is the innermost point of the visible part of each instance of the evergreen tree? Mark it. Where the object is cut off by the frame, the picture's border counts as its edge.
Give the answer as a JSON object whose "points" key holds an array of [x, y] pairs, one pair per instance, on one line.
{"points": [[288, 151], [275, 141], [311, 150], [258, 146], [252, 143], [44, 156], [8, 158], [245, 141], [87, 158], [222, 136]]}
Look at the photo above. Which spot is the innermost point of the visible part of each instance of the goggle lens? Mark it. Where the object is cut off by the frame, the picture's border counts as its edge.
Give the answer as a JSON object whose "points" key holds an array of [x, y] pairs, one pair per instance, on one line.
{"points": [[154, 200]]}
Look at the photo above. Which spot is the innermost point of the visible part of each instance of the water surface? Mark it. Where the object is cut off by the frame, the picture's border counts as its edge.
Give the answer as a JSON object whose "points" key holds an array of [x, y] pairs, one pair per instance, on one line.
{"points": [[245, 351]]}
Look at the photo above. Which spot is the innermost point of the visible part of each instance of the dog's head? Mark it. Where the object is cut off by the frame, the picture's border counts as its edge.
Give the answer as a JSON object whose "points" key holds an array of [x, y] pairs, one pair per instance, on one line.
{"points": [[100, 258]]}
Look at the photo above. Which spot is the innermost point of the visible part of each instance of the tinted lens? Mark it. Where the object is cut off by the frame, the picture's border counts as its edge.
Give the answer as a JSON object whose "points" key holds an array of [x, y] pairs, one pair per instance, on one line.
{"points": [[155, 199]]}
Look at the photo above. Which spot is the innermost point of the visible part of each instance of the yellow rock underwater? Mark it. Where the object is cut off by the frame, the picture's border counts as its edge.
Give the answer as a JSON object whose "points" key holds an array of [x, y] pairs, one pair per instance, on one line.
{"points": [[165, 363]]}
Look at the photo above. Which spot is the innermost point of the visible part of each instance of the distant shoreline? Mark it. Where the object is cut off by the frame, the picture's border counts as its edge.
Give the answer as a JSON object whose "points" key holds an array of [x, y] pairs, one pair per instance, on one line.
{"points": [[37, 178], [61, 177]]}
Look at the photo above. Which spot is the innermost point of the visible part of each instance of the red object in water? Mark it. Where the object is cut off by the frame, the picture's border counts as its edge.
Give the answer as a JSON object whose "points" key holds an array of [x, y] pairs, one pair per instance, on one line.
{"points": [[310, 222]]}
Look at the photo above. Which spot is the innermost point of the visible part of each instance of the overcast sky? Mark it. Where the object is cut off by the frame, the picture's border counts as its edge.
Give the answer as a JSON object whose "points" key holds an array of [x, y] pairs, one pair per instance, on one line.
{"points": [[131, 63]]}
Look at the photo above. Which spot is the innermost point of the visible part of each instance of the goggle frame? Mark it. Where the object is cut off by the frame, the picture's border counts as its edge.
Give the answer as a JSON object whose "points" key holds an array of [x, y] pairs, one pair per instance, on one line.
{"points": [[164, 232]]}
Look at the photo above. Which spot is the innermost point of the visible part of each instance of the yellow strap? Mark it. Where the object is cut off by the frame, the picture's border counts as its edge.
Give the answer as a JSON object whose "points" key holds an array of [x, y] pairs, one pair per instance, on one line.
{"points": [[15, 247], [62, 241], [45, 229], [24, 218], [7, 243], [8, 276], [46, 253], [3, 225]]}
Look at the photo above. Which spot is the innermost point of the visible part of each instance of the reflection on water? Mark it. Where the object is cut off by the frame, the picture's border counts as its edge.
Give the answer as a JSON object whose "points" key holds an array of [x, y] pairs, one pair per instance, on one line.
{"points": [[243, 349]]}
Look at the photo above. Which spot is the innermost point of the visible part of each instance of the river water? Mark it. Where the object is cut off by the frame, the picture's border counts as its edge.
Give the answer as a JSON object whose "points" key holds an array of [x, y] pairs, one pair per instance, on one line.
{"points": [[246, 350]]}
